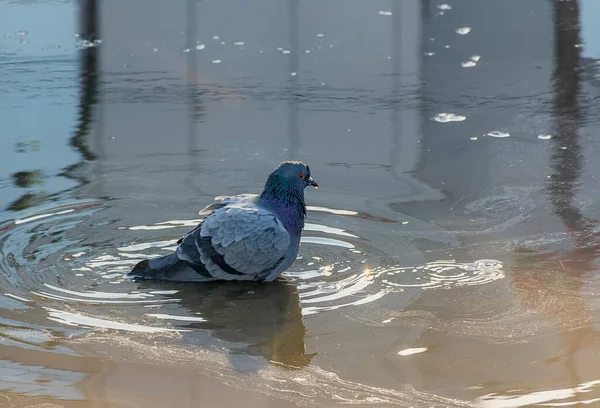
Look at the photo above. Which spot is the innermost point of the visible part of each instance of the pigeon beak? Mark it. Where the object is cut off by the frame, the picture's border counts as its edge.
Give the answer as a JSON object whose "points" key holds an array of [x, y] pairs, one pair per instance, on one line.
{"points": [[312, 182]]}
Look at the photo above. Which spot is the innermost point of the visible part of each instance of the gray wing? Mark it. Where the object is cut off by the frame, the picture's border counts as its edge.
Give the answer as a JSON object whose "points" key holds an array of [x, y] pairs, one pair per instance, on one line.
{"points": [[236, 242], [221, 201]]}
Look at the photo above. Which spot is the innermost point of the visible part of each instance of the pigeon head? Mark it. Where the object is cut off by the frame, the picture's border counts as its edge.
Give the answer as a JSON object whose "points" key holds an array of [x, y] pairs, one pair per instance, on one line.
{"points": [[284, 193], [293, 174]]}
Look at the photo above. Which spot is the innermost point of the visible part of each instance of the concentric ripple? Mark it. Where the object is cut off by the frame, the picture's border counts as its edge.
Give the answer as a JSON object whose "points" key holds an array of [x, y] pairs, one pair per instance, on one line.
{"points": [[336, 268]]}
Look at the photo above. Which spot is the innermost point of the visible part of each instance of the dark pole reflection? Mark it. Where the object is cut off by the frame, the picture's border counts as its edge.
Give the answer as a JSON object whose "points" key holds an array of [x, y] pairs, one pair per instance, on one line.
{"points": [[89, 30], [293, 68], [566, 160], [568, 270]]}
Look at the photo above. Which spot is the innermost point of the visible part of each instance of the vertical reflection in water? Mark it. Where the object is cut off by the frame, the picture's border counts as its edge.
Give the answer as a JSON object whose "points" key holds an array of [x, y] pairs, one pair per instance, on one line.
{"points": [[293, 73], [90, 110], [90, 102], [406, 75], [396, 100], [194, 115], [195, 109], [567, 157]]}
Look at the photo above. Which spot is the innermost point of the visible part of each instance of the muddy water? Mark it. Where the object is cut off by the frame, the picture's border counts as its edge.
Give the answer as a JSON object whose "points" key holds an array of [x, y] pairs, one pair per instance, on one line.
{"points": [[449, 257]]}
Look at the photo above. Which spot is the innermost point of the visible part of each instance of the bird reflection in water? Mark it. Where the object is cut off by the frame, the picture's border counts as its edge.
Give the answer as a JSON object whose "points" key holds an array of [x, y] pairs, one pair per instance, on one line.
{"points": [[262, 320]]}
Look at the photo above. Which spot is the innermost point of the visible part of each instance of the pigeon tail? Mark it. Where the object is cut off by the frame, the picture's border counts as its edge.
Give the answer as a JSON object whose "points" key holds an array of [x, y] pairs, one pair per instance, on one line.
{"points": [[168, 267]]}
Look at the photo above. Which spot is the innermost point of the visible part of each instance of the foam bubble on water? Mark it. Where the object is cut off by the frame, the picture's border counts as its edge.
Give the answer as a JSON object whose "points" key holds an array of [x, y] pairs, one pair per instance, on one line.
{"points": [[285, 51], [307, 51], [21, 33], [468, 64], [475, 58], [155, 49], [444, 7], [448, 117], [384, 13], [474, 138], [545, 137], [292, 73], [200, 47], [429, 54], [215, 37], [411, 351], [320, 35], [463, 30], [498, 133], [447, 46], [238, 43], [186, 50], [217, 61]]}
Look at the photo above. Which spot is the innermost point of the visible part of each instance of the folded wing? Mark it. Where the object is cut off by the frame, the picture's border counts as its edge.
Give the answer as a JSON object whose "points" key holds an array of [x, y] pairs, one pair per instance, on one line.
{"points": [[236, 242]]}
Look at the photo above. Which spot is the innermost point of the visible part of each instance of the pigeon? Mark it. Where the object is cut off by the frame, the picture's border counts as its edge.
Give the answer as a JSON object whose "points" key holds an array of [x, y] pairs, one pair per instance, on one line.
{"points": [[247, 237]]}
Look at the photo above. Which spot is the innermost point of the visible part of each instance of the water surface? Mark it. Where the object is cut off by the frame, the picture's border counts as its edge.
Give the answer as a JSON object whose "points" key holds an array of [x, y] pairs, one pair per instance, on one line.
{"points": [[449, 257]]}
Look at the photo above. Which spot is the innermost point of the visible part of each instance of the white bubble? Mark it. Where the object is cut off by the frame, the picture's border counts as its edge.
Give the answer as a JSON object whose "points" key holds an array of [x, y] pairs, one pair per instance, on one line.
{"points": [[155, 49], [448, 117], [200, 47], [217, 61], [429, 54], [463, 30], [292, 73], [475, 58], [444, 7], [446, 46], [307, 51], [320, 35], [238, 43], [410, 351], [21, 33], [545, 137], [215, 37], [468, 64], [285, 51], [498, 133], [474, 138], [384, 13], [186, 50]]}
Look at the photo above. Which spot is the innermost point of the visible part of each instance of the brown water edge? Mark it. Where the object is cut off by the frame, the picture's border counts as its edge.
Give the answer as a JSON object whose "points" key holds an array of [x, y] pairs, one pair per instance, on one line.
{"points": [[148, 371]]}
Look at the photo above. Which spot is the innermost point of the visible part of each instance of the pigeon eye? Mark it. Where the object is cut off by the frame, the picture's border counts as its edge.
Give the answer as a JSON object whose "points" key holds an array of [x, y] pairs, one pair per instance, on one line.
{"points": [[300, 175]]}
